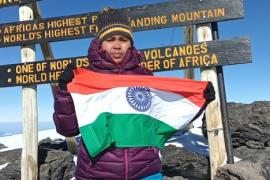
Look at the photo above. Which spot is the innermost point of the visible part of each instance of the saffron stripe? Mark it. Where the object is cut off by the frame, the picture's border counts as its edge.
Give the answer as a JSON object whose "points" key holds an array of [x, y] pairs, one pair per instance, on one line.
{"points": [[190, 89]]}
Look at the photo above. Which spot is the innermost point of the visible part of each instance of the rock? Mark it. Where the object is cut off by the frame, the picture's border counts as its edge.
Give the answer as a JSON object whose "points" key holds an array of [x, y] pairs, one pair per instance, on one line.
{"points": [[57, 144], [250, 124], [244, 170], [53, 160], [180, 162], [10, 156], [2, 146], [57, 165], [12, 171], [254, 145], [252, 155]]}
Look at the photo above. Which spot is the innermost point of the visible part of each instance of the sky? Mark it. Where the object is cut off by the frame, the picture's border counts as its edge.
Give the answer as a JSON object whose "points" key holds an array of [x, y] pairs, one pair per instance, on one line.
{"points": [[244, 83]]}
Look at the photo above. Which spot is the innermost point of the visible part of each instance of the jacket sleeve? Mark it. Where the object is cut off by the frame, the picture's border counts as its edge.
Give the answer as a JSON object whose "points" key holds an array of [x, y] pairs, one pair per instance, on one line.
{"points": [[64, 115]]}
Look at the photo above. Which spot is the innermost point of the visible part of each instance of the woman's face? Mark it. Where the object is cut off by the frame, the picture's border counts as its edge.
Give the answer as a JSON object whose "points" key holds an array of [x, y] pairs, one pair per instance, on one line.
{"points": [[116, 46]]}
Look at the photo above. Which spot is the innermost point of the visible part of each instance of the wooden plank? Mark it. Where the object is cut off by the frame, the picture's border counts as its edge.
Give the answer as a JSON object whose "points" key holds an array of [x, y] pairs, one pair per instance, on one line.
{"points": [[144, 17], [198, 55], [5, 3], [206, 54]]}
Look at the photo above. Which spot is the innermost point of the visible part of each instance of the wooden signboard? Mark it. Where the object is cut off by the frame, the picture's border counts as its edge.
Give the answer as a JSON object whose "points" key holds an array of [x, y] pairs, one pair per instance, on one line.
{"points": [[145, 17], [5, 3], [206, 54]]}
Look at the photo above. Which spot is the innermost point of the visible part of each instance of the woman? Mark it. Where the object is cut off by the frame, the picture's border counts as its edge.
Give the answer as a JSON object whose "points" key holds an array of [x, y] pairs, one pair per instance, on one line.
{"points": [[111, 52]]}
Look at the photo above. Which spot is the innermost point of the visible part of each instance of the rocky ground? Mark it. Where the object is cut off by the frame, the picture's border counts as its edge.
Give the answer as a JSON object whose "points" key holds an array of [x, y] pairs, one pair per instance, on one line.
{"points": [[250, 138]]}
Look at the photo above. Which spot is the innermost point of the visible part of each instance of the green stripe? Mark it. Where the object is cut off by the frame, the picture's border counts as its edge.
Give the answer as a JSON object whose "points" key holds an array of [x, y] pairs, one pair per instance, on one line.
{"points": [[124, 130]]}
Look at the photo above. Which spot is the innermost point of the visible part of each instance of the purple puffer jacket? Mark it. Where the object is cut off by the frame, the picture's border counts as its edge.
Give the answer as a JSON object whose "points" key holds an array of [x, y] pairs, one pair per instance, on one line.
{"points": [[114, 163]]}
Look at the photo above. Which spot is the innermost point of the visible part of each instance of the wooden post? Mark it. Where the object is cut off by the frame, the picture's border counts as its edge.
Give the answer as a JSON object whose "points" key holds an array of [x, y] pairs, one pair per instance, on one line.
{"points": [[217, 150], [72, 145], [189, 39], [29, 161], [223, 101], [48, 55], [45, 47]]}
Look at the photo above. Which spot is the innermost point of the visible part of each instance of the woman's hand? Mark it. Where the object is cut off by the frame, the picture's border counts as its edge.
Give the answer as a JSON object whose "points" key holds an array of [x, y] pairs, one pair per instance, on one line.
{"points": [[66, 76]]}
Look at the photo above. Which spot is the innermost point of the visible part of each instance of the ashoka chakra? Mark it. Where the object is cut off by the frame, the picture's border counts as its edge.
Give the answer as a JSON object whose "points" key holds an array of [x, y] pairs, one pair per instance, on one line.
{"points": [[139, 98]]}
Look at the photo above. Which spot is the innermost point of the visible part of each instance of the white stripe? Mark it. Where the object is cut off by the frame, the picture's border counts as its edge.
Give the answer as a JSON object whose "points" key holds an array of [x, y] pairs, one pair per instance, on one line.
{"points": [[170, 108]]}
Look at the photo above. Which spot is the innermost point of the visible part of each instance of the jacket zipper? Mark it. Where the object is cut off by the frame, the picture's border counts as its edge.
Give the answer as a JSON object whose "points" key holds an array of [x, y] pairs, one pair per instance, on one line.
{"points": [[126, 164]]}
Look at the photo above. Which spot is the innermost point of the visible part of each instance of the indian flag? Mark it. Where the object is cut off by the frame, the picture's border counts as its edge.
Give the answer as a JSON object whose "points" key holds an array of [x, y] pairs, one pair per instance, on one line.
{"points": [[132, 110]]}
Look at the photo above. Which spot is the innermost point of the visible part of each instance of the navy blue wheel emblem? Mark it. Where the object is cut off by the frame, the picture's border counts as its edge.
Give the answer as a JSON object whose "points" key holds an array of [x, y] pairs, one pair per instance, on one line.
{"points": [[139, 98]]}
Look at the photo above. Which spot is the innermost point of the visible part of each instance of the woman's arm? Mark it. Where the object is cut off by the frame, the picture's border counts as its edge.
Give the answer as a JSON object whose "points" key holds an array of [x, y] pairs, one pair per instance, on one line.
{"points": [[64, 115]]}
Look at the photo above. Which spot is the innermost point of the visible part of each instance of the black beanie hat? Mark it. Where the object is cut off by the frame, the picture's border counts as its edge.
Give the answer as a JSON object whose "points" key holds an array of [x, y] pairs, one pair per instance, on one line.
{"points": [[112, 22]]}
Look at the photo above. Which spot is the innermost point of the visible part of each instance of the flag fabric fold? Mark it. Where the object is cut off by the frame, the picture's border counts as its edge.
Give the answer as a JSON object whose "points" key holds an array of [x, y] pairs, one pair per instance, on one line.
{"points": [[132, 110]]}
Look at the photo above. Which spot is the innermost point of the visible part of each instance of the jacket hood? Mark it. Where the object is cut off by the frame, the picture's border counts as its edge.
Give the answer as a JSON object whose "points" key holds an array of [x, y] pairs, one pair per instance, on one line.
{"points": [[100, 61]]}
